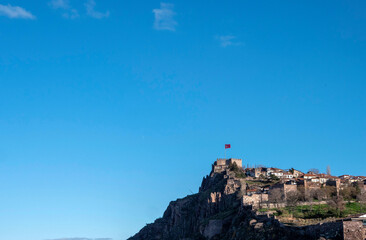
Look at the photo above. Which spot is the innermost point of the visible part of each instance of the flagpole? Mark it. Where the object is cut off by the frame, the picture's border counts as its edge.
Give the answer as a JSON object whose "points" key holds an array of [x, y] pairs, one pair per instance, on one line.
{"points": [[226, 146]]}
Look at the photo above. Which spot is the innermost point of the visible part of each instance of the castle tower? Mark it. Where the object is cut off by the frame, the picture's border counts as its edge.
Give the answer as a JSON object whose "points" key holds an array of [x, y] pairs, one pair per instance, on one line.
{"points": [[221, 165]]}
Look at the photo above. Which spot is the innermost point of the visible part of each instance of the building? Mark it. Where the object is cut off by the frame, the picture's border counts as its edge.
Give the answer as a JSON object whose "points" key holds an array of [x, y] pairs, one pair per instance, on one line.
{"points": [[309, 176], [284, 189], [277, 172], [254, 199], [255, 172], [288, 176], [222, 164], [297, 173]]}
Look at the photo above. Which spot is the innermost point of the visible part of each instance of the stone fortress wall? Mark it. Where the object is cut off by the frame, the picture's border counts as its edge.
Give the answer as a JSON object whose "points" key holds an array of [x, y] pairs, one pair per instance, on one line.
{"points": [[222, 164]]}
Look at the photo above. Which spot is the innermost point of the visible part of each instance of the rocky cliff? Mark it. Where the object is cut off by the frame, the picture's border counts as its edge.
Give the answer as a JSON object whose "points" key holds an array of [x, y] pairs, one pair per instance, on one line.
{"points": [[216, 212]]}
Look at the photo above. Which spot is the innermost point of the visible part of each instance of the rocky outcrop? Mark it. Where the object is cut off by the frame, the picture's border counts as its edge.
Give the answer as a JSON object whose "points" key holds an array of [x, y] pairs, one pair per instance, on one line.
{"points": [[200, 216], [213, 228], [353, 230], [216, 212]]}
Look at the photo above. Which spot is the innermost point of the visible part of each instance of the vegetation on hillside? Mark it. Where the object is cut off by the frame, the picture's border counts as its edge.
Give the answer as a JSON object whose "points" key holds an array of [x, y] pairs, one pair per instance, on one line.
{"points": [[334, 208], [239, 172]]}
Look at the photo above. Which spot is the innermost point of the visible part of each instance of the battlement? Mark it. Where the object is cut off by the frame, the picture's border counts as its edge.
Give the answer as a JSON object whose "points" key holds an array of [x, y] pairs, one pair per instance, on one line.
{"points": [[228, 161], [221, 164]]}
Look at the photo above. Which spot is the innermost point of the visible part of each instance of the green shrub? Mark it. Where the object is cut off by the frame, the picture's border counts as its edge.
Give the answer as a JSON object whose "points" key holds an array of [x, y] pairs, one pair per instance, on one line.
{"points": [[274, 177]]}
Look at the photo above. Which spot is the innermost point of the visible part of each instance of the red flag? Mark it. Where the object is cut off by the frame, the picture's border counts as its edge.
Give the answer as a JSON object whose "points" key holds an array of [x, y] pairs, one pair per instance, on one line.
{"points": [[227, 146]]}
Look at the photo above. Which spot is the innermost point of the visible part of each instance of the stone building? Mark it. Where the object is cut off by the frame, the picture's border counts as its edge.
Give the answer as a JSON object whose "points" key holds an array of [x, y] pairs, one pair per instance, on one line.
{"points": [[256, 172], [355, 228], [308, 186], [254, 199], [336, 182], [297, 173], [284, 189], [277, 172], [222, 164]]}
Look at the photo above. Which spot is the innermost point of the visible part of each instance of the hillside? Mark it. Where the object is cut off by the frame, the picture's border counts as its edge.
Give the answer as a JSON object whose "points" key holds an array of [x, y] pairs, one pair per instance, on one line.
{"points": [[232, 204]]}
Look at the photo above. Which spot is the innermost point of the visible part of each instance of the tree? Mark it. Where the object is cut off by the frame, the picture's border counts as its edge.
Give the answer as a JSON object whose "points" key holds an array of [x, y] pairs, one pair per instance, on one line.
{"points": [[276, 195], [274, 177], [331, 191], [350, 193], [314, 170], [319, 194], [291, 170], [292, 199], [338, 204], [301, 191], [361, 198], [309, 195], [328, 170], [346, 193], [233, 167], [357, 187]]}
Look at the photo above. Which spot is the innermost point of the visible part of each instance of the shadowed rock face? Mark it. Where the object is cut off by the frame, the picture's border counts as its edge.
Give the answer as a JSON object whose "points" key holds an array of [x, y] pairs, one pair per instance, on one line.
{"points": [[215, 212], [199, 216]]}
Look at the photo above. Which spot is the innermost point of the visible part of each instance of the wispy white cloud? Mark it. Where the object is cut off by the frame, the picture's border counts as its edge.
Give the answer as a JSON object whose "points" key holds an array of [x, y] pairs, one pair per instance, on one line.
{"points": [[68, 11], [15, 12], [164, 17], [64, 4], [71, 13], [90, 10], [228, 40]]}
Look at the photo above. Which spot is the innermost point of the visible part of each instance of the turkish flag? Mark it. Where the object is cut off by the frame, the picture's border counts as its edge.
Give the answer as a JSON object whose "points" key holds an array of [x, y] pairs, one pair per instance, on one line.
{"points": [[227, 146]]}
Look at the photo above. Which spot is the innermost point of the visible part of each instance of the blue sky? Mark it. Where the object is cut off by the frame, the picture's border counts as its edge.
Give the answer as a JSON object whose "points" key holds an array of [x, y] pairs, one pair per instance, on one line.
{"points": [[111, 109]]}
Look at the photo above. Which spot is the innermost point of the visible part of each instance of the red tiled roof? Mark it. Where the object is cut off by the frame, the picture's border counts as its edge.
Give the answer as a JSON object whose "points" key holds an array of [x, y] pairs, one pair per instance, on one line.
{"points": [[334, 177]]}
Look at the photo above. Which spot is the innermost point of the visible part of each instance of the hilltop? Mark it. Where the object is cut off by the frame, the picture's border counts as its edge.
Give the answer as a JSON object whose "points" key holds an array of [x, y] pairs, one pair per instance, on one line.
{"points": [[265, 203]]}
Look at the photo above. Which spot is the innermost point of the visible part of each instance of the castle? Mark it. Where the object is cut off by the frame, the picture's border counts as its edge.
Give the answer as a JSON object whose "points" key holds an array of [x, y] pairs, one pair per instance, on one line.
{"points": [[236, 202], [279, 183], [222, 164]]}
